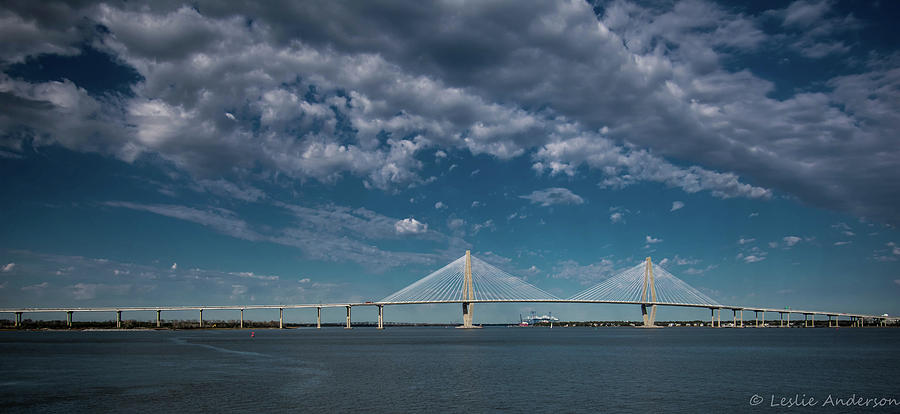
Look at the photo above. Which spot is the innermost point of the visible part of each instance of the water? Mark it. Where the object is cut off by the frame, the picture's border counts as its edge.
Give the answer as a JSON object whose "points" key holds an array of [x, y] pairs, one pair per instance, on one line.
{"points": [[445, 370]]}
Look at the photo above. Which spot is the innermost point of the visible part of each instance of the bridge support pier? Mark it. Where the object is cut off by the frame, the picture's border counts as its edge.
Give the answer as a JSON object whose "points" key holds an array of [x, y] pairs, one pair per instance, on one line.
{"points": [[158, 318], [348, 318], [280, 318], [467, 315], [649, 317], [69, 319], [242, 319], [781, 319], [318, 318], [201, 318], [719, 318], [18, 319], [789, 320], [712, 317], [118, 319], [380, 316]]}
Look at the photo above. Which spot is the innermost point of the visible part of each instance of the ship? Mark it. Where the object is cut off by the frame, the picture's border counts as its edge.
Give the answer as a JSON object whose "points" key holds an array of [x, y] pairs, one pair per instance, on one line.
{"points": [[547, 319]]}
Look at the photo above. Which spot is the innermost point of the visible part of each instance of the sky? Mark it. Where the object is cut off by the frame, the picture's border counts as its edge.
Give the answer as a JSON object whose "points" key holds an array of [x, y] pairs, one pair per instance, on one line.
{"points": [[228, 153]]}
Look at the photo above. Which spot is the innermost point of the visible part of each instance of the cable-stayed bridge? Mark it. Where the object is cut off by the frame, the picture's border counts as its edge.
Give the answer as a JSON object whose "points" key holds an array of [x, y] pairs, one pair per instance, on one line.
{"points": [[469, 281]]}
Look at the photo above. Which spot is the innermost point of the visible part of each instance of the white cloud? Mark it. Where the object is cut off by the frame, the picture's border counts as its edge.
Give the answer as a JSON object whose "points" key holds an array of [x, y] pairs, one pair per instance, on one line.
{"points": [[743, 241], [699, 271], [230, 116], [410, 226], [304, 280], [553, 196], [623, 167], [174, 266], [677, 205], [753, 214], [895, 249], [251, 275], [616, 217], [651, 240], [753, 259], [842, 243], [7, 267], [439, 205], [791, 240]]}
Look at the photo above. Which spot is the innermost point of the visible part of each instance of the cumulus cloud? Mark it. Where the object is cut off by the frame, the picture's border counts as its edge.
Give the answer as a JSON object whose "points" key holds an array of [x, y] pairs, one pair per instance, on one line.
{"points": [[651, 240], [322, 91], [7, 267], [677, 205], [410, 226], [616, 217], [440, 205], [174, 266], [553, 196]]}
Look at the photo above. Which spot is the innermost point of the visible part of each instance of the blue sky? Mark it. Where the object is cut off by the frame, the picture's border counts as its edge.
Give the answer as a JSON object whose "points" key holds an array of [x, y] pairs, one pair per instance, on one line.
{"points": [[202, 153]]}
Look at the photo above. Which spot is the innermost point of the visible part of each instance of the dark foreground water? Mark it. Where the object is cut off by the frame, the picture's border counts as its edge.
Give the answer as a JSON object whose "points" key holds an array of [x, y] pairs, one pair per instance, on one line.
{"points": [[448, 370]]}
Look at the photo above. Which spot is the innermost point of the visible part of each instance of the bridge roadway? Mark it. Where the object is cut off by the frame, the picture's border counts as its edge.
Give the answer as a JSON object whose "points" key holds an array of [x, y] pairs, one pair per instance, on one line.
{"points": [[856, 318]]}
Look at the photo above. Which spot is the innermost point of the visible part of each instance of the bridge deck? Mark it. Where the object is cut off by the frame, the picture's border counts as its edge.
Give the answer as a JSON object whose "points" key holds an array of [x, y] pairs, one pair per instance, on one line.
{"points": [[352, 304]]}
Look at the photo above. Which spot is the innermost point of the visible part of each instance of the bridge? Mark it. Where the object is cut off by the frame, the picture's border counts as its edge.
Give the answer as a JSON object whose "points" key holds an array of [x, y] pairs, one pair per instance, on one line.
{"points": [[469, 281]]}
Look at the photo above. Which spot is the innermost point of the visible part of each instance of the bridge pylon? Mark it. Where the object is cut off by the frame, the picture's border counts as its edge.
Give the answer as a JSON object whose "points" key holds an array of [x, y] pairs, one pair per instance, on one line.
{"points": [[468, 293], [649, 290]]}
